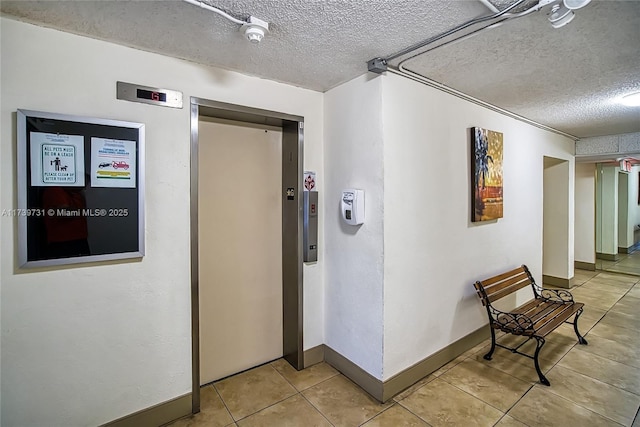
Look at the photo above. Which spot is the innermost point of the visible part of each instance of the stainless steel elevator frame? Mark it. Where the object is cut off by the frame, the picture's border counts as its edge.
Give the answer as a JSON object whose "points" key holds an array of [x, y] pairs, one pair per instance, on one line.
{"points": [[292, 221]]}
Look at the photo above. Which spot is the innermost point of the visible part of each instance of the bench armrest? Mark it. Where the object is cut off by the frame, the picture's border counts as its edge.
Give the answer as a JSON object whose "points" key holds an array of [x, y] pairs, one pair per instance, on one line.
{"points": [[514, 323], [554, 295]]}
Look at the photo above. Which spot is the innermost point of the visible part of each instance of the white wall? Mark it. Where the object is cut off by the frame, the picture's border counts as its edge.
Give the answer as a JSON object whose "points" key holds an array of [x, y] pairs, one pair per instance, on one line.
{"points": [[354, 254], [92, 343], [607, 210], [1, 240], [556, 219], [634, 206], [625, 224], [585, 217], [433, 253]]}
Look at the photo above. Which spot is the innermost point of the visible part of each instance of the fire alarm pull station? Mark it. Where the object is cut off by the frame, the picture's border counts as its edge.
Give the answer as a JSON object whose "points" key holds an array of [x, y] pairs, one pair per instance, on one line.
{"points": [[353, 206], [310, 226]]}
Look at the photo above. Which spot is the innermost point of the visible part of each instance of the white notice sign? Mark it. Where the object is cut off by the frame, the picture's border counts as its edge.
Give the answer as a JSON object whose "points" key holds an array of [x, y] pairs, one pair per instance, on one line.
{"points": [[57, 160], [113, 163]]}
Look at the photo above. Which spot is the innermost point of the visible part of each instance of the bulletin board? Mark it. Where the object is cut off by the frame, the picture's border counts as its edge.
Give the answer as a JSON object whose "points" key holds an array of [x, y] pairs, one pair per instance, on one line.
{"points": [[80, 189]]}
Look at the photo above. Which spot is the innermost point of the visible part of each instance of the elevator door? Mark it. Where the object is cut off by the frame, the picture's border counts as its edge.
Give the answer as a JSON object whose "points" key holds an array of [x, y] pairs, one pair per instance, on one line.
{"points": [[240, 246]]}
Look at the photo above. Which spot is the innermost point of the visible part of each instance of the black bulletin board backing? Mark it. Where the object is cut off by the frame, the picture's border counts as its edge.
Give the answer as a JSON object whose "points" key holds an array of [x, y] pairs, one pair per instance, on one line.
{"points": [[80, 189]]}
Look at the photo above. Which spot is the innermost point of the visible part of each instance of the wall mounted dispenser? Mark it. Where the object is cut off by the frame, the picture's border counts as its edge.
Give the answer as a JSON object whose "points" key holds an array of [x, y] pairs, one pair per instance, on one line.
{"points": [[352, 206]]}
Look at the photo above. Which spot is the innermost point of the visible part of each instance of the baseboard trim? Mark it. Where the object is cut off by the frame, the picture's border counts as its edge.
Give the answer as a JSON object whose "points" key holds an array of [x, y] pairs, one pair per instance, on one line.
{"points": [[355, 373], [314, 355], [581, 265], [625, 250], [426, 366], [156, 415], [383, 391], [607, 257], [559, 282]]}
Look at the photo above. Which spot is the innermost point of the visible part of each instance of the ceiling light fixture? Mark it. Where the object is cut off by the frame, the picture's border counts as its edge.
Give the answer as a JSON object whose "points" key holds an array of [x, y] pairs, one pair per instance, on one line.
{"points": [[575, 4], [631, 100], [562, 10], [560, 16], [253, 28]]}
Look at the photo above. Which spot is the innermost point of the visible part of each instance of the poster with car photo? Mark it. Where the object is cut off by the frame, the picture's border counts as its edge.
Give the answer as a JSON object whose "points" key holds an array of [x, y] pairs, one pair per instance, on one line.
{"points": [[113, 163]]}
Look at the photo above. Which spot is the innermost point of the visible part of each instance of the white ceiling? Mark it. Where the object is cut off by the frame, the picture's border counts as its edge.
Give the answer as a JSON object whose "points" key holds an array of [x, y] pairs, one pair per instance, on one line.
{"points": [[566, 78]]}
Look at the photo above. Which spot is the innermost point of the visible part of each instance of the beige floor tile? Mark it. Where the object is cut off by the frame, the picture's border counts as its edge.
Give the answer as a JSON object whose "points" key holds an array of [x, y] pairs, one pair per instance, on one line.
{"points": [[616, 374], [581, 276], [613, 350], [567, 331], [607, 400], [619, 319], [539, 407], [634, 292], [251, 391], [197, 420], [616, 277], [478, 347], [490, 385], [212, 411], [305, 378], [398, 397], [449, 365], [620, 268], [510, 363], [293, 412], [343, 402], [508, 421], [589, 317], [396, 416], [604, 264], [629, 262], [617, 333], [441, 404], [629, 306], [607, 285], [597, 298], [555, 347]]}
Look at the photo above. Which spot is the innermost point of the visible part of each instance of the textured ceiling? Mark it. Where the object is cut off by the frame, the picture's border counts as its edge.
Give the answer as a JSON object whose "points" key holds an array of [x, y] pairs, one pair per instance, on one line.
{"points": [[563, 78], [567, 78]]}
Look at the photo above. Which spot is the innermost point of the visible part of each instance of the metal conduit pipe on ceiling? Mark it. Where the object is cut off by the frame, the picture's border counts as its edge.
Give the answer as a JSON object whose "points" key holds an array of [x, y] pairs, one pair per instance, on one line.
{"points": [[452, 31], [379, 65]]}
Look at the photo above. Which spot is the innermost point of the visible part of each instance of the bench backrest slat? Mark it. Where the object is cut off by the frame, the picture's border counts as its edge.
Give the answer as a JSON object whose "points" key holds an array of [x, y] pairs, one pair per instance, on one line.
{"points": [[504, 284]]}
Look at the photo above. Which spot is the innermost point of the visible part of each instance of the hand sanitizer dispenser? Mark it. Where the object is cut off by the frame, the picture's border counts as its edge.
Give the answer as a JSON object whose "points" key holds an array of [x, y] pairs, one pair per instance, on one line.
{"points": [[353, 206]]}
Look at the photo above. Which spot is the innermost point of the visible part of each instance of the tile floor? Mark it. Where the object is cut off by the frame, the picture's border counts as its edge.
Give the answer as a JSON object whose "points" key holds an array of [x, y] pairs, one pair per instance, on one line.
{"points": [[592, 385], [627, 263]]}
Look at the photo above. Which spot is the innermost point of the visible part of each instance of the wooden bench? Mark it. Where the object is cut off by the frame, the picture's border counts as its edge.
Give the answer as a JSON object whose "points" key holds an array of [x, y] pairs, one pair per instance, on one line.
{"points": [[535, 319]]}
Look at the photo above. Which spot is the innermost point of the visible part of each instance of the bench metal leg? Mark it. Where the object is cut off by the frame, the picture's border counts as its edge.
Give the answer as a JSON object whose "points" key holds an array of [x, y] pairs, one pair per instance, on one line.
{"points": [[581, 339], [493, 344], [539, 345]]}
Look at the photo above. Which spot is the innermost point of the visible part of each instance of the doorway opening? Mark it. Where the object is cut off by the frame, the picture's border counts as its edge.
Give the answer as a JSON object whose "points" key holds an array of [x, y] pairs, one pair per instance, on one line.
{"points": [[291, 146]]}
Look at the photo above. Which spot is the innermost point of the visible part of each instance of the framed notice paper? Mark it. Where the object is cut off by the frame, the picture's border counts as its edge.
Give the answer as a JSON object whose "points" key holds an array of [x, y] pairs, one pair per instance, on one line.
{"points": [[113, 163], [57, 160], [80, 189]]}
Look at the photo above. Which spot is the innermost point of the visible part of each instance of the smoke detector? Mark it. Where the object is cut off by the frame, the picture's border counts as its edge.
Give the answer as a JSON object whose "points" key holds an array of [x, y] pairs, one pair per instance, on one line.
{"points": [[255, 29]]}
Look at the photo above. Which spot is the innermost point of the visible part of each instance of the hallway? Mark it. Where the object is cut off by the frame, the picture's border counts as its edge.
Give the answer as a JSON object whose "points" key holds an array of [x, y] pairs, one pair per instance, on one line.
{"points": [[597, 384]]}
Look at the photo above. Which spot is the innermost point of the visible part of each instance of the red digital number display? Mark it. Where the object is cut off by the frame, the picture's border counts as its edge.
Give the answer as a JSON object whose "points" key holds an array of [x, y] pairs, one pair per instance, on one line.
{"points": [[151, 95]]}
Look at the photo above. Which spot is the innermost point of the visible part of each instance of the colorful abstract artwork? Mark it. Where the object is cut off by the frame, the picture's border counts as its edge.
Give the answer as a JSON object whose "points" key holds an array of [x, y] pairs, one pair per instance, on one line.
{"points": [[486, 163]]}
